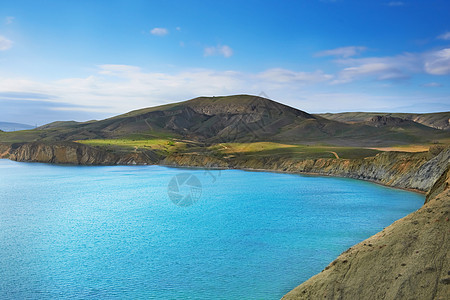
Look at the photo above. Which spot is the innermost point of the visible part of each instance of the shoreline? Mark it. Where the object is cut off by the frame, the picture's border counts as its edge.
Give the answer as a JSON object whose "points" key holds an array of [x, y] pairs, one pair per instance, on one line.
{"points": [[284, 171], [230, 168], [296, 173]]}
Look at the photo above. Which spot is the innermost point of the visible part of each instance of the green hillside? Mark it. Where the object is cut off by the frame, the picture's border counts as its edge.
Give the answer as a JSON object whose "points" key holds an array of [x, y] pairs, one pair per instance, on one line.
{"points": [[232, 119]]}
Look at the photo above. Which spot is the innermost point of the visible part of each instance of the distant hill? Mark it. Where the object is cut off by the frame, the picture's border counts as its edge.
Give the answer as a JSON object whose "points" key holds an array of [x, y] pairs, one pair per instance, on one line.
{"points": [[239, 118], [58, 124], [8, 126], [439, 120]]}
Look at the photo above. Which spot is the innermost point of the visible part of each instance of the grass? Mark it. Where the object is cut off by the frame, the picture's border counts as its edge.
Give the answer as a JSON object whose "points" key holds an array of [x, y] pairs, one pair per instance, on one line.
{"points": [[231, 150], [136, 144], [20, 136], [262, 149], [405, 148], [415, 147]]}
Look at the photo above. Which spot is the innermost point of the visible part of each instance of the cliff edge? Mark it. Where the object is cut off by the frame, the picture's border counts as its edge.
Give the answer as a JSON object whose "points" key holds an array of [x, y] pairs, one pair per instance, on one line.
{"points": [[408, 260]]}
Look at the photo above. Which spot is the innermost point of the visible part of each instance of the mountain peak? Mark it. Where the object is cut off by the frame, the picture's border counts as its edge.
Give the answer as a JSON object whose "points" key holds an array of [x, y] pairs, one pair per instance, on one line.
{"points": [[242, 104]]}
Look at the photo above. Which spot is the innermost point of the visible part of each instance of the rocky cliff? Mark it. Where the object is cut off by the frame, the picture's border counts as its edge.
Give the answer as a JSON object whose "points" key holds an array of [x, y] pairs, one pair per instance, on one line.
{"points": [[408, 260], [73, 153], [417, 171]]}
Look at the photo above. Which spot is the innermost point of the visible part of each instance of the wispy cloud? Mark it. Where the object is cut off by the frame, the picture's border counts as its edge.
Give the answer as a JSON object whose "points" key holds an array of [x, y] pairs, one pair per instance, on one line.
{"points": [[284, 76], [9, 20], [445, 36], [159, 31], [379, 68], [396, 3], [114, 89], [224, 50], [5, 44], [397, 67], [438, 62], [118, 88], [432, 84], [343, 51]]}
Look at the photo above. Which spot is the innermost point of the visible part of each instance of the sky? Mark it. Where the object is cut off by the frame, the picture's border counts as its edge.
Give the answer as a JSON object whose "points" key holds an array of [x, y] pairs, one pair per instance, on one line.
{"points": [[82, 59]]}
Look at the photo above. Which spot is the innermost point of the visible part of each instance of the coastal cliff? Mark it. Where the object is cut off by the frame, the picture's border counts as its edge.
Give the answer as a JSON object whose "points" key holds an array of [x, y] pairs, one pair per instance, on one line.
{"points": [[416, 171], [407, 260], [73, 153]]}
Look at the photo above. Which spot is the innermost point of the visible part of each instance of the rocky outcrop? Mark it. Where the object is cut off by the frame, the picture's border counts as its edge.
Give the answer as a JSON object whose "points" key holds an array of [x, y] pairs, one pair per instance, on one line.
{"points": [[381, 121], [73, 153], [417, 171], [408, 260]]}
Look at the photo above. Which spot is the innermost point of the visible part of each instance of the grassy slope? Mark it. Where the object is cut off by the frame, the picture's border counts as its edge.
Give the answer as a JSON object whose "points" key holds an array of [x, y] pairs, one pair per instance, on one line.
{"points": [[167, 146], [213, 120]]}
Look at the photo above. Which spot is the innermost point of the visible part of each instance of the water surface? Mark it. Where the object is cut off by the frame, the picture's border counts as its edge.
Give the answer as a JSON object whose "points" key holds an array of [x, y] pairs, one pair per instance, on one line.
{"points": [[113, 233]]}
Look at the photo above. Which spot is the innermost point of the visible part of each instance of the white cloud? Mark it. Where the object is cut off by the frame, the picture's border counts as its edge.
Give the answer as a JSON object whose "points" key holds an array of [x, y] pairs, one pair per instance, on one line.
{"points": [[224, 50], [159, 31], [438, 62], [394, 67], [9, 20], [118, 70], [445, 36], [119, 88], [279, 75], [380, 68], [114, 89], [432, 84], [5, 44], [343, 51], [396, 3]]}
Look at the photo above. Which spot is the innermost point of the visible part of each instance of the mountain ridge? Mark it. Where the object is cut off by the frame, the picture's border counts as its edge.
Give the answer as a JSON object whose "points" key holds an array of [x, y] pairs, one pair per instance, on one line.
{"points": [[237, 118], [438, 120]]}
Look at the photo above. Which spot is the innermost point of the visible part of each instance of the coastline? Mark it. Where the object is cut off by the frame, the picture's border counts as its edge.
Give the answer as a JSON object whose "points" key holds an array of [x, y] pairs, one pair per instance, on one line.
{"points": [[335, 176], [407, 260], [394, 170], [299, 173]]}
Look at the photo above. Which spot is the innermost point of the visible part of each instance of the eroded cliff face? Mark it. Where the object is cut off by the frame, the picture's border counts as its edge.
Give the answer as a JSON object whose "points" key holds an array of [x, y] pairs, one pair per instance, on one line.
{"points": [[408, 260], [72, 153], [418, 171]]}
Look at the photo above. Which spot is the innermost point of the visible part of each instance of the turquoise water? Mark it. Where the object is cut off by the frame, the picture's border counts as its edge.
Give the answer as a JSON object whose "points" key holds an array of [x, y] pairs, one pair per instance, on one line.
{"points": [[114, 233]]}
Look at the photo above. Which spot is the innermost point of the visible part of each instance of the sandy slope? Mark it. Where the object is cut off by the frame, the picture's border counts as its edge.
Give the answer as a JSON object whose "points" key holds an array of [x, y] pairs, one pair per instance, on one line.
{"points": [[408, 260]]}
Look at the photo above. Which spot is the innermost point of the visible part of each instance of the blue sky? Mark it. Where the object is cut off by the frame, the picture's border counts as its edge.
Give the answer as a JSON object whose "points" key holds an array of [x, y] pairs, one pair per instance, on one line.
{"points": [[64, 60]]}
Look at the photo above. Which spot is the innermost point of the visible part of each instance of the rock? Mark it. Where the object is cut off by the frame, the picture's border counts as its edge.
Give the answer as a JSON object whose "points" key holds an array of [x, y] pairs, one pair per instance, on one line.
{"points": [[378, 275], [73, 153]]}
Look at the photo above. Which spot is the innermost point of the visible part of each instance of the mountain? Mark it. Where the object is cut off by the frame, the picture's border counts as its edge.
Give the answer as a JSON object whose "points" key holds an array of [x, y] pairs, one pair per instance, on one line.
{"points": [[8, 126], [439, 120], [239, 118]]}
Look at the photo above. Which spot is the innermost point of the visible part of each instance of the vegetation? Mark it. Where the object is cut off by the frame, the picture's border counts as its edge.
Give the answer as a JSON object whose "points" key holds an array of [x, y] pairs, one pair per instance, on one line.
{"points": [[242, 125], [138, 143], [270, 149]]}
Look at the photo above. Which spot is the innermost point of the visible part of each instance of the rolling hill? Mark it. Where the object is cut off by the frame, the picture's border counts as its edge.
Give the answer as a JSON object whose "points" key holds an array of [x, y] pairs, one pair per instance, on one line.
{"points": [[239, 118]]}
